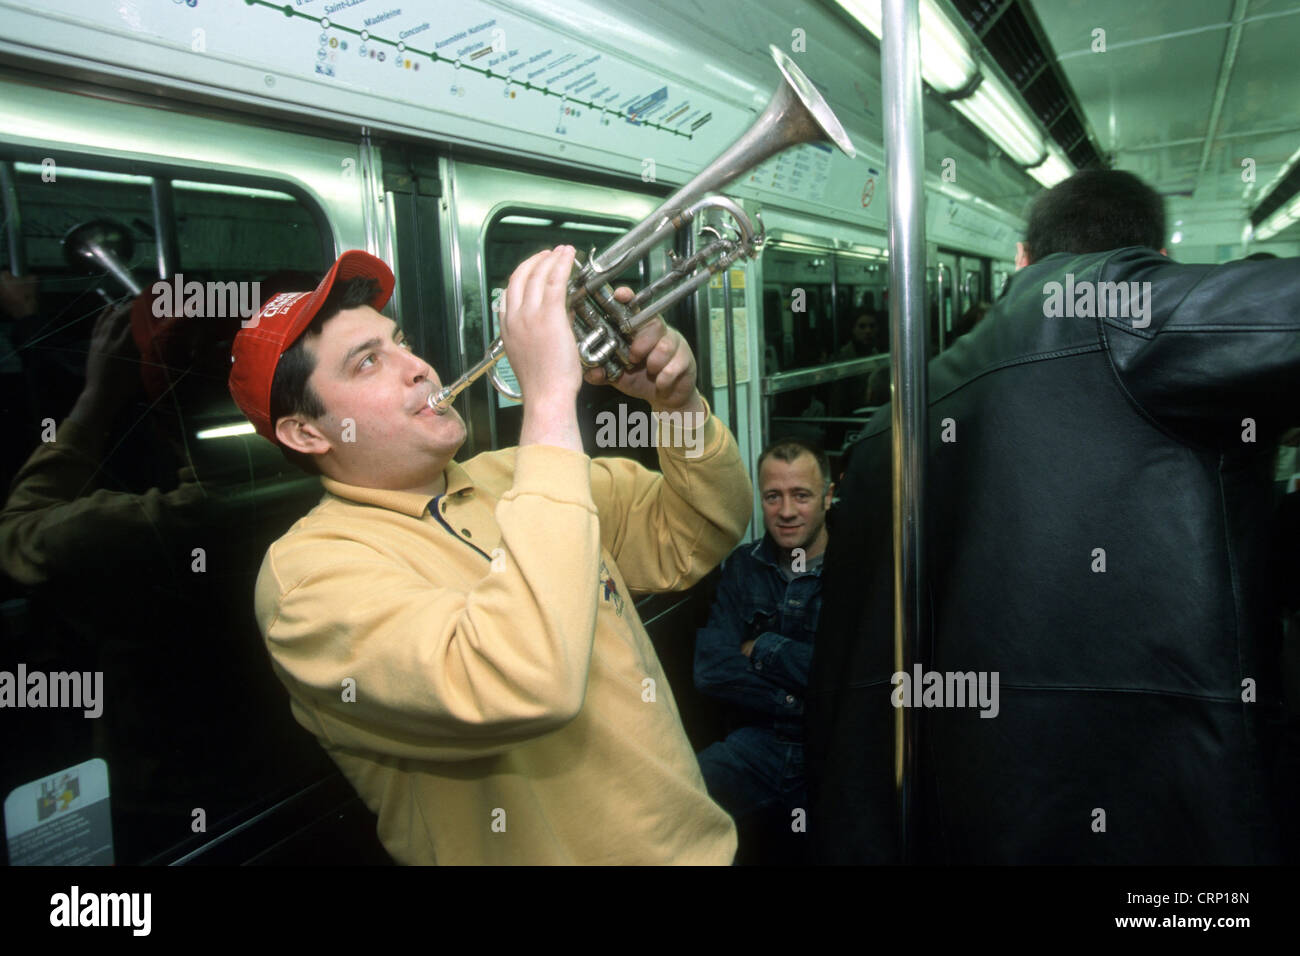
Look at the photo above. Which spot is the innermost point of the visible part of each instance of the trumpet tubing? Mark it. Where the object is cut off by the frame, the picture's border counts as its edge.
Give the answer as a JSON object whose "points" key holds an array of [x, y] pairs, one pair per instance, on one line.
{"points": [[604, 327]]}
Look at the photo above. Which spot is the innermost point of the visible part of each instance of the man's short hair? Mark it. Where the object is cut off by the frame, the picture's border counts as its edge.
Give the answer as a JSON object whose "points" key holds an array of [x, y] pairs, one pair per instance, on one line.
{"points": [[788, 449], [1095, 210], [291, 391]]}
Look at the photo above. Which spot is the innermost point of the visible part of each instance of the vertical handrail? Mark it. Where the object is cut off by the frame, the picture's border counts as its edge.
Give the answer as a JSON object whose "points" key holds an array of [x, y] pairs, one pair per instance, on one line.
{"points": [[13, 220], [164, 227], [901, 75], [729, 336]]}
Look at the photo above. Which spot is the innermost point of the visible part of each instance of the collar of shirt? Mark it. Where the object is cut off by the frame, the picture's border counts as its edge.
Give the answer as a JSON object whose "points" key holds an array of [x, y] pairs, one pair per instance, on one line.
{"points": [[410, 503], [765, 550]]}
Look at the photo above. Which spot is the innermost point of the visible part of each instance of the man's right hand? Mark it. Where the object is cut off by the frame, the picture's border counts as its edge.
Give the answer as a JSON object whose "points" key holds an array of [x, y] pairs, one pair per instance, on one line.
{"points": [[537, 331], [538, 336]]}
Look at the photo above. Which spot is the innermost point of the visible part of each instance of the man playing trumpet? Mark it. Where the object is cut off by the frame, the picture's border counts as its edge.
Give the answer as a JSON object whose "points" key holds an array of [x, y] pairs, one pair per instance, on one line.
{"points": [[456, 635]]}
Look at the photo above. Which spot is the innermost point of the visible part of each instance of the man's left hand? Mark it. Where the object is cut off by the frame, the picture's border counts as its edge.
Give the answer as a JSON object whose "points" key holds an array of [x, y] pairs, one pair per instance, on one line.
{"points": [[665, 366]]}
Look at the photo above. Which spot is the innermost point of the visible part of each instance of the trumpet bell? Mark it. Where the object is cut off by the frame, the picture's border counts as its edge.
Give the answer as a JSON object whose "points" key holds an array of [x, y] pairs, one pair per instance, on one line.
{"points": [[819, 111], [796, 114], [102, 244]]}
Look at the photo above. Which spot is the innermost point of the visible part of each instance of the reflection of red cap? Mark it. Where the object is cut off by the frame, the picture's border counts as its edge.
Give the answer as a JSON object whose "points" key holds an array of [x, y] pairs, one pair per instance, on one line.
{"points": [[278, 325], [157, 339]]}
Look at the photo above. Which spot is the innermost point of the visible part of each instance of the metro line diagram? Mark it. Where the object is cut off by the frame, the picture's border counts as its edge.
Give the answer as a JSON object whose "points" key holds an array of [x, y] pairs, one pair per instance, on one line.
{"points": [[459, 63]]}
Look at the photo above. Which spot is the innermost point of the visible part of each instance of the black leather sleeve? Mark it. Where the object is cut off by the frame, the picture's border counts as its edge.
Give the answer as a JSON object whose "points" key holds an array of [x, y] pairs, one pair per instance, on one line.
{"points": [[1223, 343]]}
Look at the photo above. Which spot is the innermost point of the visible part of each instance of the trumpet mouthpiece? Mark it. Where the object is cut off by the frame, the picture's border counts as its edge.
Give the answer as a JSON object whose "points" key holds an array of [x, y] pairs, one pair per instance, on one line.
{"points": [[438, 401]]}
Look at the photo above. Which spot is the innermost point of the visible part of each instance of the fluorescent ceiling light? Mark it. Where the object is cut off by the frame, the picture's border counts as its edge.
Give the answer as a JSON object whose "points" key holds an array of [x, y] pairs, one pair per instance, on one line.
{"points": [[228, 431], [1282, 219], [1281, 173], [1054, 169], [95, 174], [594, 227], [991, 108], [247, 191], [1285, 214], [946, 63], [525, 221]]}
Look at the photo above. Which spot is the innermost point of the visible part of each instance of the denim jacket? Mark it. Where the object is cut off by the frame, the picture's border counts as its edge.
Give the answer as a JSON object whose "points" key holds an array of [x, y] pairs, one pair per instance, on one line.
{"points": [[754, 600]]}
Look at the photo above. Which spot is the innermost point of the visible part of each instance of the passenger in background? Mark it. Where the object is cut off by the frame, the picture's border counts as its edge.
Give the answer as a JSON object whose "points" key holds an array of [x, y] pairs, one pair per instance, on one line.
{"points": [[773, 332], [866, 338], [1097, 519], [755, 651]]}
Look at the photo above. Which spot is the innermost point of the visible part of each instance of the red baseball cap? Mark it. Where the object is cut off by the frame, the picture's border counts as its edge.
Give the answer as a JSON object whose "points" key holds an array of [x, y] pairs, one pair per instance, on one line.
{"points": [[171, 345], [156, 338], [279, 323]]}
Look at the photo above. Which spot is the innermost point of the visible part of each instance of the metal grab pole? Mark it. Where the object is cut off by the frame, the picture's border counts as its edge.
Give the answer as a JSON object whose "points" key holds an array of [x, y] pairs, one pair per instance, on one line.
{"points": [[730, 338], [13, 220], [901, 76]]}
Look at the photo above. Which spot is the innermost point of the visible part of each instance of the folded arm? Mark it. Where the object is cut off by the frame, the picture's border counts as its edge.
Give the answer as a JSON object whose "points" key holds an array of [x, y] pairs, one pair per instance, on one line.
{"points": [[721, 669]]}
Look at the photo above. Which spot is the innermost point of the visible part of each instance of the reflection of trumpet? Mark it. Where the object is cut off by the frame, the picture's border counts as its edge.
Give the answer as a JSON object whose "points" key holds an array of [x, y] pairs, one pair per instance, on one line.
{"points": [[605, 327], [101, 244]]}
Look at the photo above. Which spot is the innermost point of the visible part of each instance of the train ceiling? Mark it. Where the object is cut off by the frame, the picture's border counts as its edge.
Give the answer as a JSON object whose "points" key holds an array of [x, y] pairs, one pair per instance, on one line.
{"points": [[1184, 92], [1198, 97]]}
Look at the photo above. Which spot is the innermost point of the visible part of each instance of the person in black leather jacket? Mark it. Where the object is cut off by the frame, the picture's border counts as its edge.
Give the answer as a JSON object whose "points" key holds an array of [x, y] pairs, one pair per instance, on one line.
{"points": [[1097, 510]]}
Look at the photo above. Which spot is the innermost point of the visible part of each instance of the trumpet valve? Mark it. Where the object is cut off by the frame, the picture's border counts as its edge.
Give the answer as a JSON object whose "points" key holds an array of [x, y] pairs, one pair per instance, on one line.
{"points": [[596, 348]]}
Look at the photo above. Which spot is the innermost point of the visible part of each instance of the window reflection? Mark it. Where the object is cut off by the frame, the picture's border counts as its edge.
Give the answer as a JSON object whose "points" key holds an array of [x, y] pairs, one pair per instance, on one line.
{"points": [[132, 532]]}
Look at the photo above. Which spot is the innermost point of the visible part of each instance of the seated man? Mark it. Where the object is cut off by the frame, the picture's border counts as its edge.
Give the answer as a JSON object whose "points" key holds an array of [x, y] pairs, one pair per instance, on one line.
{"points": [[457, 635], [757, 647]]}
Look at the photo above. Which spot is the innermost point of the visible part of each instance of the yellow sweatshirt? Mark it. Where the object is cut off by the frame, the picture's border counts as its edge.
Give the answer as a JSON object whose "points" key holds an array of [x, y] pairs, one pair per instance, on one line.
{"points": [[475, 665]]}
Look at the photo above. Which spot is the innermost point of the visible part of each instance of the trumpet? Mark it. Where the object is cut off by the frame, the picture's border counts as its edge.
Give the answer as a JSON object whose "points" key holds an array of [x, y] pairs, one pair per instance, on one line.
{"points": [[603, 327], [102, 244]]}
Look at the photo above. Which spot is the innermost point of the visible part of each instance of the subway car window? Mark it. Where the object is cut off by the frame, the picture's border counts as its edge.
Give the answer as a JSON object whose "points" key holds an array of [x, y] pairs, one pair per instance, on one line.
{"points": [[862, 291], [799, 327], [244, 232], [854, 399], [854, 291], [140, 506]]}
